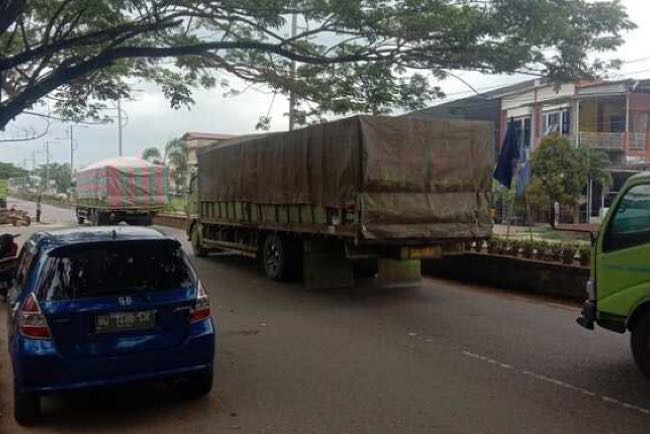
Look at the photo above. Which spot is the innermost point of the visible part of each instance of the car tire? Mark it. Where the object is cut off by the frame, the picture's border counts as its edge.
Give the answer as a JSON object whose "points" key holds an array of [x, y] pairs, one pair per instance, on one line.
{"points": [[27, 407], [640, 343], [81, 220], [198, 250], [198, 385]]}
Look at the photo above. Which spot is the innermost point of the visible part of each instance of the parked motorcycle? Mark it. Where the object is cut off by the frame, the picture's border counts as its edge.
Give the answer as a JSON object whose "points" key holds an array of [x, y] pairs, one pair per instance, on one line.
{"points": [[8, 262]]}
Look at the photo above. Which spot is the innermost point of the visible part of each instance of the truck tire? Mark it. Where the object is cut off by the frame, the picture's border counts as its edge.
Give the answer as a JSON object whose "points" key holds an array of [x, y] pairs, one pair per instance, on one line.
{"points": [[274, 257], [640, 343], [27, 407], [197, 248]]}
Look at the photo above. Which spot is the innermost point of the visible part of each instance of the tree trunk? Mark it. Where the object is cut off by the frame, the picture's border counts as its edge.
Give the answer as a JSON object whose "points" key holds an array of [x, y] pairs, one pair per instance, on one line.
{"points": [[576, 213]]}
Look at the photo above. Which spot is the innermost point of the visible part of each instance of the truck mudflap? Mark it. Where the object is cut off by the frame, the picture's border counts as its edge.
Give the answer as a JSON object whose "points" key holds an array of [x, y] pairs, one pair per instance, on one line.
{"points": [[587, 317]]}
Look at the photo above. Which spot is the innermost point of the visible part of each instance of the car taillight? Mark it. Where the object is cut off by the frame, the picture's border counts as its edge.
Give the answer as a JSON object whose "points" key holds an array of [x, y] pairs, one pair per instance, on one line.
{"points": [[31, 321], [201, 309]]}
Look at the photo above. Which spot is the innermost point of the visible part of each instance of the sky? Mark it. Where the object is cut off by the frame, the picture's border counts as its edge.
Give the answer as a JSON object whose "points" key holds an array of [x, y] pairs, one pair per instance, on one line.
{"points": [[152, 123]]}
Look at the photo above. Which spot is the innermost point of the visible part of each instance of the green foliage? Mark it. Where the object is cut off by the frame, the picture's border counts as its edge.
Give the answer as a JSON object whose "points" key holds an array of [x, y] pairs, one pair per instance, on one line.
{"points": [[175, 159], [569, 251], [584, 251], [541, 247], [152, 155], [59, 173], [351, 56], [560, 172], [9, 170]]}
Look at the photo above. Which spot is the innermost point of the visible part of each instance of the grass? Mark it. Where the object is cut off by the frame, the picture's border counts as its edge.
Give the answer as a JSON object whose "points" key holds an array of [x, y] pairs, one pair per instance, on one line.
{"points": [[549, 234]]}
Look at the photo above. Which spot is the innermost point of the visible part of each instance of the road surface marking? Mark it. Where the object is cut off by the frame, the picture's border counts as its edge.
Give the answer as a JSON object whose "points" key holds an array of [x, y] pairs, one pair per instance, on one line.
{"points": [[556, 382]]}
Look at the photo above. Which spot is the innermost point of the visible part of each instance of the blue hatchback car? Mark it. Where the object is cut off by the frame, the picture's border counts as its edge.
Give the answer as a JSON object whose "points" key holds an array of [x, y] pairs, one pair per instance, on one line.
{"points": [[96, 307]]}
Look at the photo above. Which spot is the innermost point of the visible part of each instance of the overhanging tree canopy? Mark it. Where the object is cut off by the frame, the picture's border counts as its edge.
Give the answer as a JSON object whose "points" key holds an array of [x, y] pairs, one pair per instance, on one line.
{"points": [[353, 55]]}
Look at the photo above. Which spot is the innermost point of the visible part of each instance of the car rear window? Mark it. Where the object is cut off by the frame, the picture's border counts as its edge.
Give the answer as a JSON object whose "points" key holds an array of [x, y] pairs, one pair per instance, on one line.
{"points": [[122, 268]]}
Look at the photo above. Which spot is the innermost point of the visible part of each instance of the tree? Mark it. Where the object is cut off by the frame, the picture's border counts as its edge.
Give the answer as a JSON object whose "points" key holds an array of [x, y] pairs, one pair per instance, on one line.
{"points": [[59, 173], [9, 170], [176, 160], [560, 172], [351, 55], [152, 155]]}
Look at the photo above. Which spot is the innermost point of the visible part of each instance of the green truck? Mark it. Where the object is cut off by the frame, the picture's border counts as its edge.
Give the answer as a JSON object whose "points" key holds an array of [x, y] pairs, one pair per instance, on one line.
{"points": [[3, 193], [618, 292], [370, 193]]}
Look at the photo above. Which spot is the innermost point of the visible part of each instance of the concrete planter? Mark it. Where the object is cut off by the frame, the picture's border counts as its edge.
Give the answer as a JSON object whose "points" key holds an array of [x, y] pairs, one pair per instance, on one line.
{"points": [[519, 274]]}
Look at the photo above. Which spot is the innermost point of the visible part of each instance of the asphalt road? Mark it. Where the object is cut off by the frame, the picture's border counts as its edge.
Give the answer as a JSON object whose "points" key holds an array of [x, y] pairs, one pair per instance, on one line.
{"points": [[50, 215], [441, 357]]}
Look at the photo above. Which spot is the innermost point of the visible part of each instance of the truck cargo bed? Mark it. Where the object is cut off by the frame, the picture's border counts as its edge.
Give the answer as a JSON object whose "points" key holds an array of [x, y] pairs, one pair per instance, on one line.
{"points": [[371, 178]]}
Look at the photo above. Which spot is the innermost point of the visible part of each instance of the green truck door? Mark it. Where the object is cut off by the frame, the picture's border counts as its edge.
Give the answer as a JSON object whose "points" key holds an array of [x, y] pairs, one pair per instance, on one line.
{"points": [[623, 259]]}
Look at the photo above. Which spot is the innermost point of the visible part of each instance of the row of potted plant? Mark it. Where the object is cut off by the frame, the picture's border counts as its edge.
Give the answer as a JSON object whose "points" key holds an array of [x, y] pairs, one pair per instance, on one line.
{"points": [[565, 252]]}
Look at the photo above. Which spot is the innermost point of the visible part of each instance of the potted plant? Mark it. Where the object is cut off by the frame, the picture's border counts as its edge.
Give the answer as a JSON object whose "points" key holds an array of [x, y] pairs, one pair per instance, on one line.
{"points": [[555, 251], [585, 254], [540, 247], [568, 253], [515, 246], [527, 249], [501, 246], [492, 244]]}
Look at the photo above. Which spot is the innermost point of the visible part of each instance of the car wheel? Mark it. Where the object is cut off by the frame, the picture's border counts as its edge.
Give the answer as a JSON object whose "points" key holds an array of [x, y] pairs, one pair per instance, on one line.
{"points": [[81, 220], [27, 407], [640, 343], [198, 385], [196, 243]]}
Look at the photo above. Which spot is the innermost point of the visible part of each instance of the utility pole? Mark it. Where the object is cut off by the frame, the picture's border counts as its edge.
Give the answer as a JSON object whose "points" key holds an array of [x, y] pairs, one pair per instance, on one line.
{"points": [[292, 95], [119, 126], [47, 164], [71, 154]]}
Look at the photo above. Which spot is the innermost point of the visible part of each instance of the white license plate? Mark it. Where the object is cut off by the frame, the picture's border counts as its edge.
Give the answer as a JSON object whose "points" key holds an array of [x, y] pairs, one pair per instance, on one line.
{"points": [[125, 321]]}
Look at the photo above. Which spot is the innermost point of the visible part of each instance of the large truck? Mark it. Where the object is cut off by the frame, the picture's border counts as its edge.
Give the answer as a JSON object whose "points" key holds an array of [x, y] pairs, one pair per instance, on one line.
{"points": [[618, 290], [125, 189], [381, 191]]}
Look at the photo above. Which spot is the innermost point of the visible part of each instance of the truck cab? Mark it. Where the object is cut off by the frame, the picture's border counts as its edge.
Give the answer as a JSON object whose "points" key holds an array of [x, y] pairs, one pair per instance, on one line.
{"points": [[618, 291]]}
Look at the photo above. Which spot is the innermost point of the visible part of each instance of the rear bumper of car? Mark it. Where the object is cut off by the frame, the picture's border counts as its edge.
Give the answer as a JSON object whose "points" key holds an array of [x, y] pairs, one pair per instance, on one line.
{"points": [[39, 367]]}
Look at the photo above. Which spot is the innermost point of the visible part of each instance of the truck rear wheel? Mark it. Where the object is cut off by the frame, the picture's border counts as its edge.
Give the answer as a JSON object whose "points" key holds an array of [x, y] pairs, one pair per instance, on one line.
{"points": [[274, 257], [282, 257], [197, 248], [640, 343]]}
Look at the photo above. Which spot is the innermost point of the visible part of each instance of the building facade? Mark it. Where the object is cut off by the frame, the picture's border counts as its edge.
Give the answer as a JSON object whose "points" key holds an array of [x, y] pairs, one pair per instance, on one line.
{"points": [[609, 116]]}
